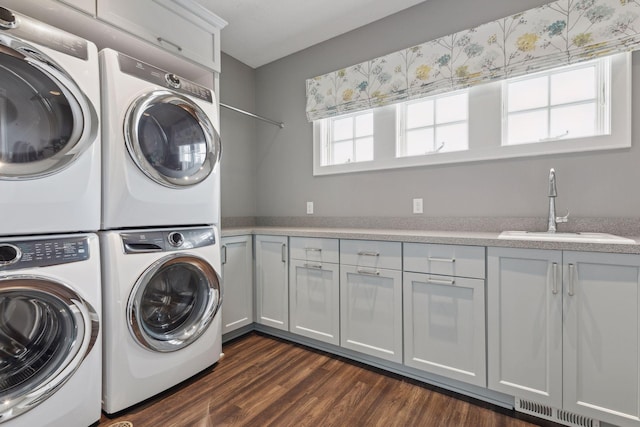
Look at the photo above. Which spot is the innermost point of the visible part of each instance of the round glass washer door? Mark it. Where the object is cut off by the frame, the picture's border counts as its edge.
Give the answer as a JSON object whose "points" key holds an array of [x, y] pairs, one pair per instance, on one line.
{"points": [[173, 302], [171, 140], [46, 331], [46, 121]]}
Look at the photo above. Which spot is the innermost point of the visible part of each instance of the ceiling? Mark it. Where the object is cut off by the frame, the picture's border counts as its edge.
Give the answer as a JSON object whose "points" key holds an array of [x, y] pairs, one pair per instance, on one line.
{"points": [[262, 31]]}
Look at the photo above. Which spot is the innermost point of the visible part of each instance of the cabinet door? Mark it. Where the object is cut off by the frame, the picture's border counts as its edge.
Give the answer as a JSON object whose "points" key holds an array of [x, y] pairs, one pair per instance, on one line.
{"points": [[272, 281], [444, 329], [314, 300], [371, 311], [237, 281], [168, 25], [524, 323], [602, 324]]}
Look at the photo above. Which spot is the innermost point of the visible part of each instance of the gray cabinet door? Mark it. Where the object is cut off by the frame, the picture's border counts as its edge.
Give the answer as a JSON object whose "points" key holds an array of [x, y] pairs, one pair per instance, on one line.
{"points": [[237, 282], [272, 281]]}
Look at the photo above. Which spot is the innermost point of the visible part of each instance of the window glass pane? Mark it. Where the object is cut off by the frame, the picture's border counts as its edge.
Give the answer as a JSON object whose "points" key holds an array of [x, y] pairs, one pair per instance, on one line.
{"points": [[573, 85], [364, 149], [418, 142], [452, 137], [577, 120], [451, 108], [364, 125], [342, 128], [527, 127], [342, 152], [420, 114], [527, 94]]}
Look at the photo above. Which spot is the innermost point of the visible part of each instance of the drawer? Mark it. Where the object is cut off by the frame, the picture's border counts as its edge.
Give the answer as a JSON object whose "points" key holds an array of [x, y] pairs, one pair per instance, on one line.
{"points": [[371, 254], [448, 260], [314, 249]]}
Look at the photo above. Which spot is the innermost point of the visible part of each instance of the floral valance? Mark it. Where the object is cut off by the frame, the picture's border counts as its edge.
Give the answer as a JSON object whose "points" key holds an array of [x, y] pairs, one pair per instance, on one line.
{"points": [[558, 33]]}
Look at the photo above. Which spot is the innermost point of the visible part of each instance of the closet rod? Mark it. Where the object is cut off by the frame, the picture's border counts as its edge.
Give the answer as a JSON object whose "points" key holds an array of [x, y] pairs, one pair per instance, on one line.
{"points": [[264, 119]]}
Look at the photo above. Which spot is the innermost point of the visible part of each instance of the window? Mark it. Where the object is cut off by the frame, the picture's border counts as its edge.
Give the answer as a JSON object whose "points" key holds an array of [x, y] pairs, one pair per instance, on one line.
{"points": [[433, 125], [570, 102], [350, 139], [582, 107]]}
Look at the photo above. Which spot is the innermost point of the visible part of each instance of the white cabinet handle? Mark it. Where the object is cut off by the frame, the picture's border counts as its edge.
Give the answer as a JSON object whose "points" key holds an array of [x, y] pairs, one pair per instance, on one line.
{"points": [[284, 252], [441, 259], [224, 254], [571, 285], [441, 282], [554, 279], [369, 272], [368, 253], [167, 42], [316, 266]]}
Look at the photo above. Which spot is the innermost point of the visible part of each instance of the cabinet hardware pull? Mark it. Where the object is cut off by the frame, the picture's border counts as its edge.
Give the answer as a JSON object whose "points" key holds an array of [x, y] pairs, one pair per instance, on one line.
{"points": [[316, 266], [368, 253], [441, 282], [165, 41], [224, 254], [554, 272], [441, 259], [571, 289], [313, 249], [369, 272], [284, 252]]}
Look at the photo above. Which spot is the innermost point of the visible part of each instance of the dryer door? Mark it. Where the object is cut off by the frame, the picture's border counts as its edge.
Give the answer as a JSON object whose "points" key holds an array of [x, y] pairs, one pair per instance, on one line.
{"points": [[46, 121], [46, 331], [173, 302], [171, 139]]}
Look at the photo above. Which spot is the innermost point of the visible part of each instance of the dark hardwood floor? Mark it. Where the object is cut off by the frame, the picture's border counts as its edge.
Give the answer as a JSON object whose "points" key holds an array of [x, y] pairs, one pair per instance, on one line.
{"points": [[264, 381]]}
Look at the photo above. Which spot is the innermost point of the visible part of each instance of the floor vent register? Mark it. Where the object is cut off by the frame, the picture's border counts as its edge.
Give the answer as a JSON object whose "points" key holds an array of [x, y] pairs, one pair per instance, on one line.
{"points": [[553, 414]]}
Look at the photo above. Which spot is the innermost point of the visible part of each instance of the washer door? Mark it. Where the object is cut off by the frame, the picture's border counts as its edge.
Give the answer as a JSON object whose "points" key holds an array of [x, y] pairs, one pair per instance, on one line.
{"points": [[171, 139], [46, 121], [46, 331], [173, 302]]}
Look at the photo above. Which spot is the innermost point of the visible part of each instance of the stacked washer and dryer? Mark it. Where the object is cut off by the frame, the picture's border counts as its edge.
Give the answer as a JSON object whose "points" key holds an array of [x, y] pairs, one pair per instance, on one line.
{"points": [[50, 290], [160, 244], [109, 246]]}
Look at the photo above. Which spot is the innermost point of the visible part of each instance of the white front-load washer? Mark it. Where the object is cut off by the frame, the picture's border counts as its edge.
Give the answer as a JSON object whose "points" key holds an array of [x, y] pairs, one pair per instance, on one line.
{"points": [[162, 294], [50, 337], [50, 155], [161, 148]]}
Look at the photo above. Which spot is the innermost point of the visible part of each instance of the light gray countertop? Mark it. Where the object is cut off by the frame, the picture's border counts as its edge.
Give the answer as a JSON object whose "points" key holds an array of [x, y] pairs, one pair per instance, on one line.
{"points": [[425, 236]]}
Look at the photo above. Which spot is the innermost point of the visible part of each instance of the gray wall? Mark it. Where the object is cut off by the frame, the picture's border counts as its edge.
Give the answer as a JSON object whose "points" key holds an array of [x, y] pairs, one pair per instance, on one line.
{"points": [[589, 184], [238, 133]]}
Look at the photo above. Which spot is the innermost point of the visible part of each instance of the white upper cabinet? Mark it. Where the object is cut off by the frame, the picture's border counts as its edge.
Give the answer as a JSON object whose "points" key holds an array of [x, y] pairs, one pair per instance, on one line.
{"points": [[182, 27]]}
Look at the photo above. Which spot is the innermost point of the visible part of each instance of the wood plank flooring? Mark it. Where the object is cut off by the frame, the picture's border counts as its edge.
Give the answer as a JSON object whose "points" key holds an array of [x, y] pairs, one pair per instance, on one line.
{"points": [[265, 381]]}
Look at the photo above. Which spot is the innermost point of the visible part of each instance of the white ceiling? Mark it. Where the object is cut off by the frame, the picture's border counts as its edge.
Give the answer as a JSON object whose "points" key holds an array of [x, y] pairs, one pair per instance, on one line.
{"points": [[262, 31]]}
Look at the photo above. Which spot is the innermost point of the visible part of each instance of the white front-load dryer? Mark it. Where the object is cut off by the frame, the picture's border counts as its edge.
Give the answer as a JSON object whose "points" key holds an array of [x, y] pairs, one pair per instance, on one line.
{"points": [[161, 148], [50, 337], [162, 295], [50, 154]]}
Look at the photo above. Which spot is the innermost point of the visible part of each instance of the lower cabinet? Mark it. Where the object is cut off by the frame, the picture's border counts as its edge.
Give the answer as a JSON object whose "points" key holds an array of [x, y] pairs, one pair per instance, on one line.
{"points": [[272, 281], [371, 299], [563, 330], [444, 329], [237, 279]]}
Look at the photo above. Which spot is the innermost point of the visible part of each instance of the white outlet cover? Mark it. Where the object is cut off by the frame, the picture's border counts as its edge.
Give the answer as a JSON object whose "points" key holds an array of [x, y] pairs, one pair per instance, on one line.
{"points": [[309, 208], [417, 206]]}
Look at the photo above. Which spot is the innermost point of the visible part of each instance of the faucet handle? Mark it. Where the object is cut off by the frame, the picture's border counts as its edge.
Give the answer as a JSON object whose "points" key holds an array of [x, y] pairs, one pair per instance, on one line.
{"points": [[565, 218]]}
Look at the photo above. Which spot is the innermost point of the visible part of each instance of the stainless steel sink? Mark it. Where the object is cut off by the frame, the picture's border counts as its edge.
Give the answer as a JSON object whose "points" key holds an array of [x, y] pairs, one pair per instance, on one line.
{"points": [[566, 237]]}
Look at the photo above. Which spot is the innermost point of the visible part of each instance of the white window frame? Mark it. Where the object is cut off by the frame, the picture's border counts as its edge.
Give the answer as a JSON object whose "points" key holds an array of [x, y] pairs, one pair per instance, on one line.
{"points": [[486, 131]]}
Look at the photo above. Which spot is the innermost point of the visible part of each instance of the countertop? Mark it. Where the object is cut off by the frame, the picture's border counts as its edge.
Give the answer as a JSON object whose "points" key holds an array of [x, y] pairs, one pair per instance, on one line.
{"points": [[425, 236]]}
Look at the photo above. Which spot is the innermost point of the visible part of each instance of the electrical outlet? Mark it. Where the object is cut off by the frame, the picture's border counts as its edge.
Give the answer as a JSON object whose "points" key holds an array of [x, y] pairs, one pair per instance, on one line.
{"points": [[417, 206], [309, 208]]}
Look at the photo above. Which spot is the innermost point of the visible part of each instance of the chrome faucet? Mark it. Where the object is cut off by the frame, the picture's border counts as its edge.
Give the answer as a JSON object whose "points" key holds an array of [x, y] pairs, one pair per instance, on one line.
{"points": [[553, 193]]}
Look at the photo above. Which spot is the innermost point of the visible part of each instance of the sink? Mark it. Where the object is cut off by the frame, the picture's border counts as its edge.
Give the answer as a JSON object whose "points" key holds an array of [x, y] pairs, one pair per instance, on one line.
{"points": [[566, 237]]}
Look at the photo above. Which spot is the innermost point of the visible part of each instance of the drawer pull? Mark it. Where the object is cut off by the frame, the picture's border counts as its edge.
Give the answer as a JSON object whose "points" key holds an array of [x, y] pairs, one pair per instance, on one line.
{"points": [[368, 253], [434, 259], [316, 266], [369, 272], [441, 282], [167, 42], [313, 249]]}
